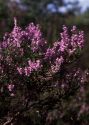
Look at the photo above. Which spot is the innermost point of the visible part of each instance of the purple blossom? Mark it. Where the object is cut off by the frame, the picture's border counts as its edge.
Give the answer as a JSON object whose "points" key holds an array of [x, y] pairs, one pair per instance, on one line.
{"points": [[19, 70], [32, 66], [49, 53], [10, 87], [33, 33], [57, 64]]}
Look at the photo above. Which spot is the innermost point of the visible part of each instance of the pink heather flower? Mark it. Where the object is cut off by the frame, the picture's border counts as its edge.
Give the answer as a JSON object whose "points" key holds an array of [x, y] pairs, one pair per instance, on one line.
{"points": [[19, 70], [15, 22], [62, 46], [49, 53], [77, 39], [64, 39], [56, 45], [26, 71], [71, 51], [33, 31], [32, 66], [29, 62], [16, 36], [81, 39], [57, 64], [4, 44], [35, 64], [74, 29], [10, 87], [34, 34], [59, 61]]}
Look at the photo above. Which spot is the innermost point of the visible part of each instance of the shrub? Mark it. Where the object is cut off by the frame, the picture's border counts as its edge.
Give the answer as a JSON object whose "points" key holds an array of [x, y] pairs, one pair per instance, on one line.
{"points": [[37, 80]]}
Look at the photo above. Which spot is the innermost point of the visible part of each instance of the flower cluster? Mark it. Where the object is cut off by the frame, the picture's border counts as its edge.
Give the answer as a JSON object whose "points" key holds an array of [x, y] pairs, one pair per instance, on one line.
{"points": [[39, 71], [33, 66], [28, 52], [56, 66]]}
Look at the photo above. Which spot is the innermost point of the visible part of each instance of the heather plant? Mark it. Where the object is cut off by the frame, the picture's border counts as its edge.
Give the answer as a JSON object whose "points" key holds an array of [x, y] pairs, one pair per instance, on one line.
{"points": [[38, 81]]}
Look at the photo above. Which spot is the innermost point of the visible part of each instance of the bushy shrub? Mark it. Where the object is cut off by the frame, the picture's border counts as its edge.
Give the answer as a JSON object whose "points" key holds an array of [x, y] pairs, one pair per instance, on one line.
{"points": [[38, 80]]}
